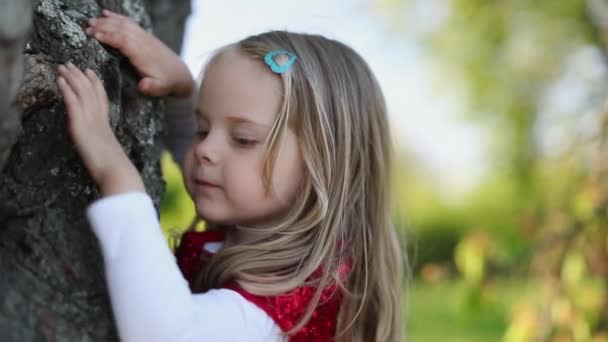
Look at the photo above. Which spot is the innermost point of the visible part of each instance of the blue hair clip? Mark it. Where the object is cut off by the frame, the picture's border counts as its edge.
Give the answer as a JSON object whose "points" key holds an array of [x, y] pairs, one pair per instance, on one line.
{"points": [[279, 69]]}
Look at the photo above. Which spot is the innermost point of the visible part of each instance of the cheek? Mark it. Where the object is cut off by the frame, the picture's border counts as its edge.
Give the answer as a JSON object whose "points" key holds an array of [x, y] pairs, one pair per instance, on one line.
{"points": [[289, 172], [287, 178], [187, 171], [243, 177]]}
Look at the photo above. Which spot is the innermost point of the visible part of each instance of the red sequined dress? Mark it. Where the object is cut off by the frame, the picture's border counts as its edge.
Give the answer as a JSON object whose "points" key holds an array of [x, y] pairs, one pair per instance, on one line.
{"points": [[285, 310]]}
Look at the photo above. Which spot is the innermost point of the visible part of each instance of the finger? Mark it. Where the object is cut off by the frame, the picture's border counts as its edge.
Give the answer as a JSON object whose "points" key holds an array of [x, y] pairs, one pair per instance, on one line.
{"points": [[96, 82], [72, 103], [103, 26], [150, 86], [109, 13], [119, 34], [117, 40], [114, 24], [70, 79], [106, 24], [100, 92], [81, 86], [124, 42], [112, 35]]}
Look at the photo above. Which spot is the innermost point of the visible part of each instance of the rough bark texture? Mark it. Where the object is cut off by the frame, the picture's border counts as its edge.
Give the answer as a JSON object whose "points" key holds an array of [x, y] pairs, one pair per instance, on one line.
{"points": [[15, 22], [52, 285]]}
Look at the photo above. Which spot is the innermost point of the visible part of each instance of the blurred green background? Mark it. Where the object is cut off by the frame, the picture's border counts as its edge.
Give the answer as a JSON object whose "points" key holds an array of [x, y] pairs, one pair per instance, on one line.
{"points": [[523, 254]]}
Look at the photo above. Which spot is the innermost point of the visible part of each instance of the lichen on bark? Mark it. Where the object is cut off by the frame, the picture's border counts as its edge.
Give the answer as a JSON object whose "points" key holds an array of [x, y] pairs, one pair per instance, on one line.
{"points": [[52, 285]]}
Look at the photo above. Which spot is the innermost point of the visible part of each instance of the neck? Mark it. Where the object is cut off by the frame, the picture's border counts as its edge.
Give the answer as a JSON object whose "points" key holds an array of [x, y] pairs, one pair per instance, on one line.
{"points": [[237, 234], [240, 233]]}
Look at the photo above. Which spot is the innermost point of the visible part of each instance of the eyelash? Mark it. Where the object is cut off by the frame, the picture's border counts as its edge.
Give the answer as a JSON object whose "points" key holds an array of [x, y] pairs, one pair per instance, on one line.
{"points": [[238, 141], [201, 134], [244, 142]]}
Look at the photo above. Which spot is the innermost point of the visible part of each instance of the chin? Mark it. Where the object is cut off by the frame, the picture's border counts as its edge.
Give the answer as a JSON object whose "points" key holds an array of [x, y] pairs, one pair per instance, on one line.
{"points": [[213, 217]]}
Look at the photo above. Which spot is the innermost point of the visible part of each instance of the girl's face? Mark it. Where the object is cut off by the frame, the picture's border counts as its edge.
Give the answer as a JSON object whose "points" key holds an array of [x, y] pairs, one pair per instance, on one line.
{"points": [[237, 105]]}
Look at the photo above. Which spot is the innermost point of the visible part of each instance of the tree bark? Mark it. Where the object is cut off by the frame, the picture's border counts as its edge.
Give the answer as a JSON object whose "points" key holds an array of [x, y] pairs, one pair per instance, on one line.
{"points": [[52, 285], [15, 23]]}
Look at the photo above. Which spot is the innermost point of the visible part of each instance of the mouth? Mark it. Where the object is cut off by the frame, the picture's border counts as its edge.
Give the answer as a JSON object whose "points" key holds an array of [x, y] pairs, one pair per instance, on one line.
{"points": [[205, 184]]}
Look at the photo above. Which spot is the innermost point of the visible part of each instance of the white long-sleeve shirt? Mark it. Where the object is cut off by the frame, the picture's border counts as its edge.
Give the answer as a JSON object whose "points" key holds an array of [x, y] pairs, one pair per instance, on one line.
{"points": [[150, 298]]}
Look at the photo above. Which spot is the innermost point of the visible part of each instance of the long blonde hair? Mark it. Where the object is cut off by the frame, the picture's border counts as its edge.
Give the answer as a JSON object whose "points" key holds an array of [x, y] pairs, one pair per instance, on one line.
{"points": [[334, 105]]}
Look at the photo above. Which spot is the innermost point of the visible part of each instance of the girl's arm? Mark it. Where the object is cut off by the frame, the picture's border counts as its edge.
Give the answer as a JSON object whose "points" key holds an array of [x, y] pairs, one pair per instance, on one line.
{"points": [[162, 71], [150, 298], [88, 119]]}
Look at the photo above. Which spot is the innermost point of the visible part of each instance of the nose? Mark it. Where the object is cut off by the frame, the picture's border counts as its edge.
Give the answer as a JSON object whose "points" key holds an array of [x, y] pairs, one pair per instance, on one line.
{"points": [[206, 150]]}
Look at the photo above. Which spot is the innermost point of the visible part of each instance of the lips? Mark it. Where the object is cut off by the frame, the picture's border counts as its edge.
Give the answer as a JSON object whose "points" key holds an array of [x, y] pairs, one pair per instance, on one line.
{"points": [[204, 183]]}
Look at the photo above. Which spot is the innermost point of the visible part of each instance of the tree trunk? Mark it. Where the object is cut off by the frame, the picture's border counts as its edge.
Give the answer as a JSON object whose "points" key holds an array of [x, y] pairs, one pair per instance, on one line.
{"points": [[52, 285]]}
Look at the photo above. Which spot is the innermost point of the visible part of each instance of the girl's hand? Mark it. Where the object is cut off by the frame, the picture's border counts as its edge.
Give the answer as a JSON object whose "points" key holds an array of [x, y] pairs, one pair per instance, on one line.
{"points": [[162, 71], [87, 106]]}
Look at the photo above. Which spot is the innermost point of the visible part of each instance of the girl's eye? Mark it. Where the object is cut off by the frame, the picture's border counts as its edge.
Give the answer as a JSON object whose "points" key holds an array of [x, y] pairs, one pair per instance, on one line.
{"points": [[201, 134], [244, 142]]}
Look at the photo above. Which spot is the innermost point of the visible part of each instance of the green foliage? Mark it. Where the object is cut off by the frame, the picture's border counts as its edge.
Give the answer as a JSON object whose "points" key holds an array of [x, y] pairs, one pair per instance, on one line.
{"points": [[176, 208], [507, 53], [448, 310], [533, 214]]}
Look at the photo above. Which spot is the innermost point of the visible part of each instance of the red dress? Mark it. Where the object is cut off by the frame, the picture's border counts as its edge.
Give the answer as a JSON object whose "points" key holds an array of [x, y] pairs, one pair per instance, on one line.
{"points": [[285, 310]]}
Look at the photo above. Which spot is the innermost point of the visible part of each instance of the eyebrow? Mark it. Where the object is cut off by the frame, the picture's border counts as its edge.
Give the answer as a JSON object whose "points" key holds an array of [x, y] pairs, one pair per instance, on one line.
{"points": [[234, 118]]}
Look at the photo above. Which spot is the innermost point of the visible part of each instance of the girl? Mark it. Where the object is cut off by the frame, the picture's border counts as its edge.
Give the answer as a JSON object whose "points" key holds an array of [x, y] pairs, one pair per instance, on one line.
{"points": [[289, 166]]}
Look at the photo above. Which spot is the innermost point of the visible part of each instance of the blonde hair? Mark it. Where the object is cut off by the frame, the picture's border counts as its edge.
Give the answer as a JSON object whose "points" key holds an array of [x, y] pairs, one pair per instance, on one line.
{"points": [[342, 215]]}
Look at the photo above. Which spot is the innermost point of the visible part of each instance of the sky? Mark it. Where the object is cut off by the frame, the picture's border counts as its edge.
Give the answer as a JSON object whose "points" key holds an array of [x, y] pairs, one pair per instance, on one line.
{"points": [[424, 120]]}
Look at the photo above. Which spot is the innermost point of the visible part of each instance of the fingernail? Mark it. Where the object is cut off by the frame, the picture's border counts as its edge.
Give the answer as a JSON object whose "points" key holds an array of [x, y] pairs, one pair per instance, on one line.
{"points": [[92, 21], [88, 30], [98, 35], [69, 64], [61, 67], [60, 79], [106, 12]]}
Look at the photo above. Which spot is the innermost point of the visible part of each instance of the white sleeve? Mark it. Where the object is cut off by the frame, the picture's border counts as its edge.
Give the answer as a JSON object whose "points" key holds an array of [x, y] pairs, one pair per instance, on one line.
{"points": [[150, 298]]}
